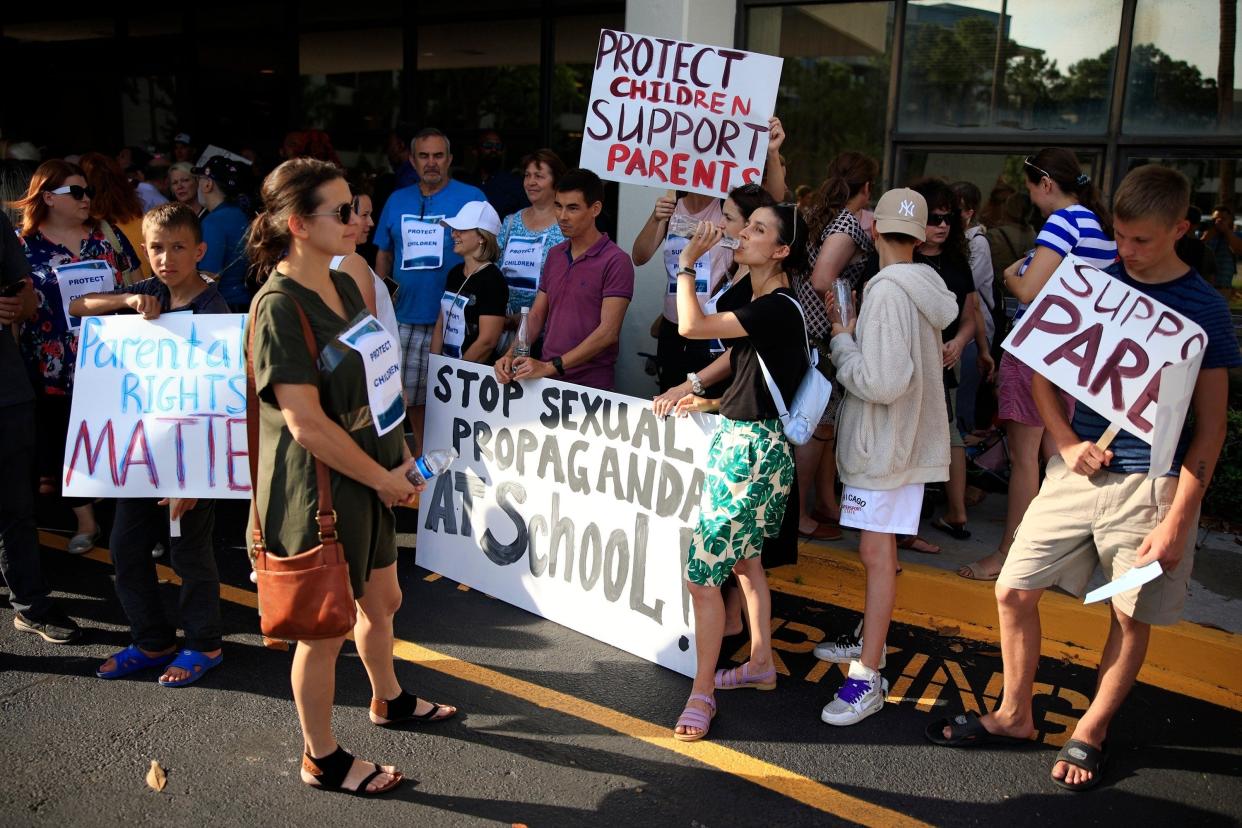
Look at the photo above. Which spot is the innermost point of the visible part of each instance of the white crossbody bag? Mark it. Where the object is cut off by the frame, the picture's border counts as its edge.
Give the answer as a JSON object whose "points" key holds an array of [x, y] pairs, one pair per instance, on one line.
{"points": [[811, 398]]}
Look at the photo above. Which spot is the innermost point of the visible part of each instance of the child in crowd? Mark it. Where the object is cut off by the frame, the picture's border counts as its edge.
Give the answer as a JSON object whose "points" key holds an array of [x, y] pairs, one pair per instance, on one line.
{"points": [[892, 432], [1065, 533], [173, 239]]}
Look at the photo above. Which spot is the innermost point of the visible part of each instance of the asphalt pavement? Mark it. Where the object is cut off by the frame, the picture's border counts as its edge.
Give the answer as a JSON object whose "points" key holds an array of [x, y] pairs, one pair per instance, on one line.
{"points": [[558, 729]]}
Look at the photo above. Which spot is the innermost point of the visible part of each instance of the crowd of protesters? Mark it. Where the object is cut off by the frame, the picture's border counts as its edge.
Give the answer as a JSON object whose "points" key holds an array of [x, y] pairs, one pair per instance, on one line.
{"points": [[457, 269]]}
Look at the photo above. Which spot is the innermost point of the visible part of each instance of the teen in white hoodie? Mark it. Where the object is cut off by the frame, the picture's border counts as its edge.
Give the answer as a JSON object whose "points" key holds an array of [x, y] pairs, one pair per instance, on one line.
{"points": [[892, 434]]}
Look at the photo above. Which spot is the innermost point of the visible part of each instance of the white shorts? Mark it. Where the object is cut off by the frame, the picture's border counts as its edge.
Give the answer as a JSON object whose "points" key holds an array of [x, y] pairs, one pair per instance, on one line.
{"points": [[895, 511]]}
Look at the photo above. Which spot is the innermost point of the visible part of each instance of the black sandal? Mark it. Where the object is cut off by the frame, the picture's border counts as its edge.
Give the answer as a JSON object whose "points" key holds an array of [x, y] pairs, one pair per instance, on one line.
{"points": [[967, 730], [401, 709], [330, 771], [1085, 757], [954, 530]]}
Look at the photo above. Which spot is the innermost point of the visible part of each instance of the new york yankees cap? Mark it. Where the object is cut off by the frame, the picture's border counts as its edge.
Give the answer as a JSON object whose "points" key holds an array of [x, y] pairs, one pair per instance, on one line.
{"points": [[902, 211]]}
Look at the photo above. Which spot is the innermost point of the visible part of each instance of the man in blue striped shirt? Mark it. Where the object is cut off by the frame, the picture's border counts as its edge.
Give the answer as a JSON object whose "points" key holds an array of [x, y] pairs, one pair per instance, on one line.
{"points": [[1097, 506]]}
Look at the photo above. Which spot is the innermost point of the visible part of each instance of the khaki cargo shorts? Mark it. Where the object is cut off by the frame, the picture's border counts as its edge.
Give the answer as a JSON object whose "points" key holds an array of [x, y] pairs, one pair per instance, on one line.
{"points": [[1077, 521]]}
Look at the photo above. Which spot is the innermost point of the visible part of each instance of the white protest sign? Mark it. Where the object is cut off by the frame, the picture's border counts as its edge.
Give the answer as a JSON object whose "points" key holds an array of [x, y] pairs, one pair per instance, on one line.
{"points": [[77, 279], [379, 352], [1105, 343], [575, 504], [668, 113], [422, 242], [159, 408], [212, 151]]}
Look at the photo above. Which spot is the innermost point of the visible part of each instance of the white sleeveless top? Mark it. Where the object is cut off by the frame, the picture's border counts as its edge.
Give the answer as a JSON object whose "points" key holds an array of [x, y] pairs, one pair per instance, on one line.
{"points": [[384, 311]]}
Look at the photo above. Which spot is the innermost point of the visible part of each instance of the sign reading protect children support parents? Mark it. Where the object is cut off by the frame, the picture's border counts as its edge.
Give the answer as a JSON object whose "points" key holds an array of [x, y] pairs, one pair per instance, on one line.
{"points": [[572, 503], [1129, 357], [673, 114], [159, 408]]}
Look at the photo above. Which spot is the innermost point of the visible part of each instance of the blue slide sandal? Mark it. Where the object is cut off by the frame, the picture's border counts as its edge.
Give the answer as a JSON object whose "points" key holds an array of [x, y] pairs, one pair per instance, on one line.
{"points": [[131, 660], [194, 663]]}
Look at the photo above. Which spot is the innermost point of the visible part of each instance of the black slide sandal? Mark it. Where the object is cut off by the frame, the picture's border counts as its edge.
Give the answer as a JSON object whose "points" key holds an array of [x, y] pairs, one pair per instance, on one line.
{"points": [[954, 530], [967, 731], [1084, 756]]}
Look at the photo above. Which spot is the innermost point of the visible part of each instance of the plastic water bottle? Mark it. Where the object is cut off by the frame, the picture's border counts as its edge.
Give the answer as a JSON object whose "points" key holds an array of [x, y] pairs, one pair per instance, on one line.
{"points": [[522, 347], [843, 292], [430, 464], [682, 225]]}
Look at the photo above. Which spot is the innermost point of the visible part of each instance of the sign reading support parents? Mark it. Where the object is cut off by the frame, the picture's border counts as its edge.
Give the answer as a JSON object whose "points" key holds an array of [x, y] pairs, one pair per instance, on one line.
{"points": [[667, 113], [159, 408], [1130, 358], [571, 503]]}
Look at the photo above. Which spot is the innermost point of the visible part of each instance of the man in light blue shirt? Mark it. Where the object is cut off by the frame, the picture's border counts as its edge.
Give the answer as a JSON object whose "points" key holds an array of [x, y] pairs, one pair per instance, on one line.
{"points": [[416, 251]]}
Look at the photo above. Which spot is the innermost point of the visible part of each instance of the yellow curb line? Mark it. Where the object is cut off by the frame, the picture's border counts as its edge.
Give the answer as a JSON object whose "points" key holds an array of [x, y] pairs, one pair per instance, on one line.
{"points": [[733, 762], [1190, 659]]}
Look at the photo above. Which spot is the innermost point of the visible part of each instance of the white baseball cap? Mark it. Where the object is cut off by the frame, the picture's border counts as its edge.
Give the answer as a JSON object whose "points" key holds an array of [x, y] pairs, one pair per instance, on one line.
{"points": [[475, 215]]}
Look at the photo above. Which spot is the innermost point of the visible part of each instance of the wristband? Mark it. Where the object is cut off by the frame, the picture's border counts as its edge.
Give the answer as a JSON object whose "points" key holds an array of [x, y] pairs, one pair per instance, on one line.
{"points": [[558, 366], [688, 271]]}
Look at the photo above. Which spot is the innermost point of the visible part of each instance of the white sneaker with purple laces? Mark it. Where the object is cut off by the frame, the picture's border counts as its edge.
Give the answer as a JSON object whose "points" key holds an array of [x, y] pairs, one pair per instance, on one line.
{"points": [[861, 695]]}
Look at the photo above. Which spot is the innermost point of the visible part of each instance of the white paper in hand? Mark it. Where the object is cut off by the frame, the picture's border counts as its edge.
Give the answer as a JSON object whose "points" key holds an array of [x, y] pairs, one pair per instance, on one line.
{"points": [[1131, 580]]}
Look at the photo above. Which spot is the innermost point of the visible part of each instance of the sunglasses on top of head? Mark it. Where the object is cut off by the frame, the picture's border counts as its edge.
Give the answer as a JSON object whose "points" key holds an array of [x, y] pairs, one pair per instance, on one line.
{"points": [[342, 213], [75, 191], [1026, 162]]}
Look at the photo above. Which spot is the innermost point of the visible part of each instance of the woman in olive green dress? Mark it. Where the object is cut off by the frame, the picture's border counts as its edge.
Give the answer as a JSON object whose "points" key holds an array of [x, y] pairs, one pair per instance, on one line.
{"points": [[319, 408]]}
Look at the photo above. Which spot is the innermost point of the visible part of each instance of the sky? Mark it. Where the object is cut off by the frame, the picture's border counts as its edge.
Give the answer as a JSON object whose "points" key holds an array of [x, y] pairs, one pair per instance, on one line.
{"points": [[1185, 29]]}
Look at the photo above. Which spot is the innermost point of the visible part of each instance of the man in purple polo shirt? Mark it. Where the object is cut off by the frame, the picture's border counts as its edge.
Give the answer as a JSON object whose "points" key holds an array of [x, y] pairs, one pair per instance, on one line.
{"points": [[586, 286]]}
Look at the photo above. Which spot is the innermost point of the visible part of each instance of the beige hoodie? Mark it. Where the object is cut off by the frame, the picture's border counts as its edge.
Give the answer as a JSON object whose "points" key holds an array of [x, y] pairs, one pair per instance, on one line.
{"points": [[893, 428]]}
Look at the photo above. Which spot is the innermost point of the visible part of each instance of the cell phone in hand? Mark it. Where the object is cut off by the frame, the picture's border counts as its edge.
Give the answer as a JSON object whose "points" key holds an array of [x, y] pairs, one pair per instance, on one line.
{"points": [[12, 289]]}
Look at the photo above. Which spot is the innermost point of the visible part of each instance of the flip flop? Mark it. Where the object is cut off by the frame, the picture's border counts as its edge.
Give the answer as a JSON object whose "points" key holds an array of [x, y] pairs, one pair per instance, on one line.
{"points": [[956, 530], [968, 572], [912, 541], [1084, 756], [132, 660], [694, 717], [740, 678], [193, 662], [966, 730]]}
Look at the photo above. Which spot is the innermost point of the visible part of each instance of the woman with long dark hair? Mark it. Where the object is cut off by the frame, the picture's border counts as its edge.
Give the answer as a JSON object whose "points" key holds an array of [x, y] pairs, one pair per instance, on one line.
{"points": [[836, 248], [58, 230], [308, 219], [750, 461], [1078, 223]]}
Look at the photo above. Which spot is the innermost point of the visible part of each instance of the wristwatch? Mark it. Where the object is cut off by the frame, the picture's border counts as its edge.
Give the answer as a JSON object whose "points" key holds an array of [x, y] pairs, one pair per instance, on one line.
{"points": [[558, 366], [687, 271], [695, 383]]}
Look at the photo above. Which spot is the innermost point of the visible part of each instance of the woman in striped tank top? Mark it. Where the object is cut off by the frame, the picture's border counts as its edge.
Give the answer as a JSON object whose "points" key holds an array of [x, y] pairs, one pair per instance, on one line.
{"points": [[1078, 223]]}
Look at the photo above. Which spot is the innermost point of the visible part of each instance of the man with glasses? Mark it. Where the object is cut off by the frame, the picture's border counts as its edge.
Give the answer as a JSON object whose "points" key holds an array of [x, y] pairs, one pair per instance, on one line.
{"points": [[503, 189], [415, 250]]}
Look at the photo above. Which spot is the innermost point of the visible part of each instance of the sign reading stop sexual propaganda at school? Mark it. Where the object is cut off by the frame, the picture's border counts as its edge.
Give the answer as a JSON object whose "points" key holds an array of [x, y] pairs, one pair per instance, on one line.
{"points": [[677, 115], [1129, 357], [572, 503], [159, 408]]}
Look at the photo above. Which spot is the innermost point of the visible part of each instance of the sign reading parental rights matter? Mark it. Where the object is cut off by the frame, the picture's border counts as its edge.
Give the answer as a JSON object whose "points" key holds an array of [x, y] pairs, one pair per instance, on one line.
{"points": [[1108, 344], [571, 503], [159, 408], [672, 114]]}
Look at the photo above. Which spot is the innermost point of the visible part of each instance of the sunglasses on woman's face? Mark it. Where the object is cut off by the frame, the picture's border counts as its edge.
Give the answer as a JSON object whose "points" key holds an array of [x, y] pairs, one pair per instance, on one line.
{"points": [[75, 191], [342, 213], [938, 218]]}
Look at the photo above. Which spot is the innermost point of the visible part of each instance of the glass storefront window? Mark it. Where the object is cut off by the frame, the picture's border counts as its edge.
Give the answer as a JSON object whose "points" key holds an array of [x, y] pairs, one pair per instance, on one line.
{"points": [[1173, 85], [834, 84], [1008, 65], [577, 39], [1212, 180]]}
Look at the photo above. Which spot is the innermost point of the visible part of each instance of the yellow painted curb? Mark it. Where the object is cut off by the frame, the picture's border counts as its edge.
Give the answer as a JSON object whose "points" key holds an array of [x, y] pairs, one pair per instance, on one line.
{"points": [[1190, 659]]}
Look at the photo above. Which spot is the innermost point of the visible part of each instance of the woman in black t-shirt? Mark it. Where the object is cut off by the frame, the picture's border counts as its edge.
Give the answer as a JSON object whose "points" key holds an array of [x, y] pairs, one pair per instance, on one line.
{"points": [[750, 461], [476, 296]]}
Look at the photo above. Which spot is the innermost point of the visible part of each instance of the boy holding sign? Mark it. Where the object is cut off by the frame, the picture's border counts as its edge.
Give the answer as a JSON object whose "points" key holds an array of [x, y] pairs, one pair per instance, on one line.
{"points": [[173, 238], [1098, 505]]}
